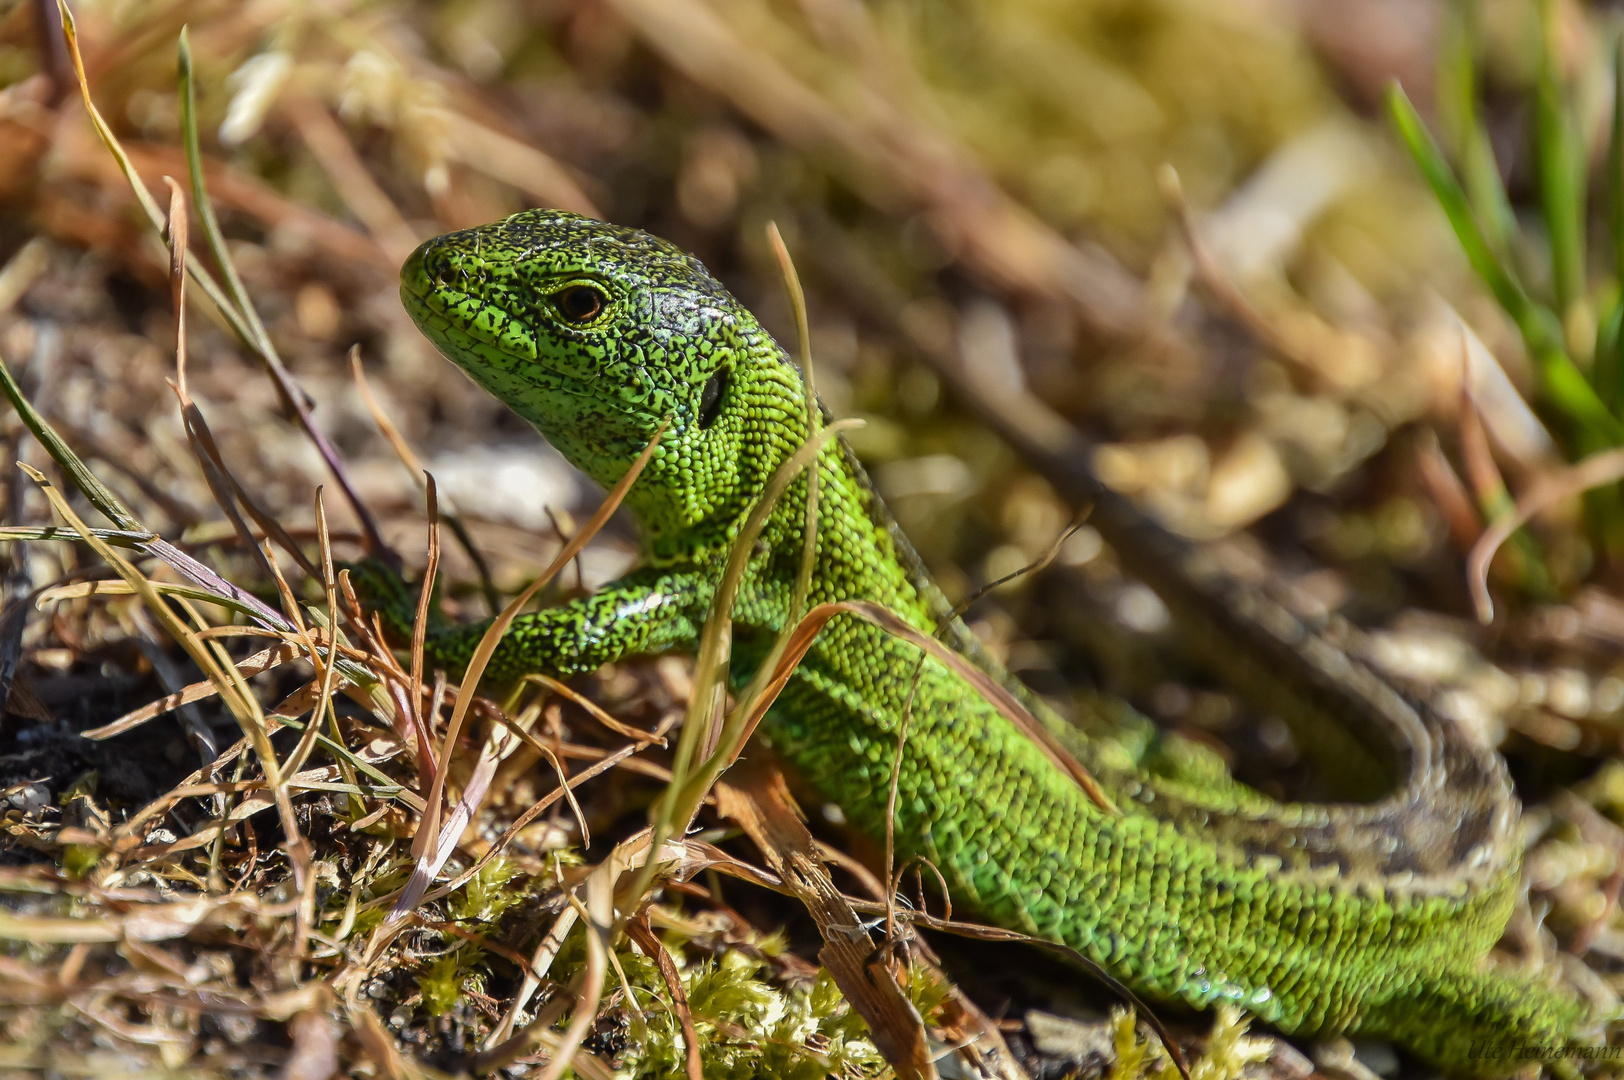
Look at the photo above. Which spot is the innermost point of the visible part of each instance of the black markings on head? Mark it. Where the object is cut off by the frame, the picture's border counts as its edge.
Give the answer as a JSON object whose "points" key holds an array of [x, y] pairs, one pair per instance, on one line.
{"points": [[710, 399]]}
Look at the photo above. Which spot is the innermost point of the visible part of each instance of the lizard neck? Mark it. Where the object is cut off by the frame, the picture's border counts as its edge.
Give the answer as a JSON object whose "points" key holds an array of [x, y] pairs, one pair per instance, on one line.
{"points": [[861, 554]]}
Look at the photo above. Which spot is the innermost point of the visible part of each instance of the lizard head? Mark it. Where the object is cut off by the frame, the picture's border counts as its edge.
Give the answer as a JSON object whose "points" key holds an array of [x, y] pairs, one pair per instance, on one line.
{"points": [[596, 334]]}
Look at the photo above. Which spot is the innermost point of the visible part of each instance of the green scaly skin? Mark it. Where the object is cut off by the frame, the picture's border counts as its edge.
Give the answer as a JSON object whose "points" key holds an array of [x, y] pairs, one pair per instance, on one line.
{"points": [[1370, 918]]}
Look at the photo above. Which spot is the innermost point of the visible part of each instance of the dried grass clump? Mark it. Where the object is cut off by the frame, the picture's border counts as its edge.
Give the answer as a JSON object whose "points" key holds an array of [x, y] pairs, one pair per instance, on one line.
{"points": [[194, 944], [379, 871]]}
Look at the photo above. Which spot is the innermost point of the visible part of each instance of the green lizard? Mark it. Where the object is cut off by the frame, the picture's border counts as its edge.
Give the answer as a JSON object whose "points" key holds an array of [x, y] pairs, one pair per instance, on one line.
{"points": [[1369, 917]]}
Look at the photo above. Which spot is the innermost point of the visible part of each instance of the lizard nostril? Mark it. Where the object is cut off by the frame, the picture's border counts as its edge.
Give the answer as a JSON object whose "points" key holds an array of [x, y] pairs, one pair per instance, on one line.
{"points": [[429, 267]]}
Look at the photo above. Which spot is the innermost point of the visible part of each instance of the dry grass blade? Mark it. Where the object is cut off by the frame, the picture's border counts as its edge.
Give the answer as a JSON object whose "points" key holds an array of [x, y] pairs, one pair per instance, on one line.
{"points": [[262, 661], [814, 417], [423, 847], [76, 471], [541, 806], [307, 741], [420, 629], [233, 691], [155, 922], [814, 438], [177, 228], [641, 932], [710, 739], [221, 483], [594, 710], [502, 740], [327, 668], [1606, 467], [759, 802], [597, 916], [143, 196], [1005, 702], [214, 467], [214, 473], [708, 732], [414, 467]]}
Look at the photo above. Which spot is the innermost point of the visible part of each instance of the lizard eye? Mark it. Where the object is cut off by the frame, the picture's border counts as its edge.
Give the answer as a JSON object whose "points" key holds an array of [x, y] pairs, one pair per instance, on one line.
{"points": [[579, 303], [710, 398]]}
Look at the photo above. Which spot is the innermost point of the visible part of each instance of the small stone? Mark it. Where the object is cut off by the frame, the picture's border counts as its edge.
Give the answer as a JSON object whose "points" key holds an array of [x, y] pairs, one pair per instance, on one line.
{"points": [[28, 797], [1139, 608]]}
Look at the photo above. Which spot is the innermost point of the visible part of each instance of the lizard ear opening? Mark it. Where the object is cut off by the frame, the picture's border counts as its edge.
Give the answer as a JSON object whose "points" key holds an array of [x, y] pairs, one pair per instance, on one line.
{"points": [[710, 398]]}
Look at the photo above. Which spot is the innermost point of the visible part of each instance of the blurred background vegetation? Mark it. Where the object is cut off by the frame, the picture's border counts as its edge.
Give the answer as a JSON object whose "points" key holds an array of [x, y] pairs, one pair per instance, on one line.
{"points": [[1188, 225]]}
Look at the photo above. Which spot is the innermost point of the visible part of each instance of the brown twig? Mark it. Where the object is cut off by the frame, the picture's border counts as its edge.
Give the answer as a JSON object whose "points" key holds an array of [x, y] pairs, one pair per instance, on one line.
{"points": [[642, 933], [759, 802], [1217, 282], [1606, 467], [424, 846]]}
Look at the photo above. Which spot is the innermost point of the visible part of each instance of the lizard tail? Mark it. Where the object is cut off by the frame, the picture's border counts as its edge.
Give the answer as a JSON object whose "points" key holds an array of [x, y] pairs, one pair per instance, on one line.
{"points": [[1483, 1021]]}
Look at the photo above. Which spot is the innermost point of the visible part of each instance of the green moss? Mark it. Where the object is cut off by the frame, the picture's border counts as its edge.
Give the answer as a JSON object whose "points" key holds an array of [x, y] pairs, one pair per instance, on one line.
{"points": [[1229, 1050], [928, 990], [442, 982], [795, 1033], [487, 893], [80, 859]]}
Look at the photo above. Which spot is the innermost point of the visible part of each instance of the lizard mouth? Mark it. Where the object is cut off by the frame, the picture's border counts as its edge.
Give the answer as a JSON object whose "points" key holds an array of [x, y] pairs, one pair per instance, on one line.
{"points": [[446, 295], [481, 322], [448, 300]]}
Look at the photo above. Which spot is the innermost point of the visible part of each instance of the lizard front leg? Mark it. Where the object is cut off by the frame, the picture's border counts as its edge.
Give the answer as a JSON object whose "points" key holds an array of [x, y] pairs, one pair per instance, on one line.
{"points": [[647, 611]]}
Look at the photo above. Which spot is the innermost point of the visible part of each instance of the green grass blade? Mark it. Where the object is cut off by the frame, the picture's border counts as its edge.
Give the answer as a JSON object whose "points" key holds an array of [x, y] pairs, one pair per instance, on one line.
{"points": [[155, 215], [205, 209], [1569, 392], [1559, 158], [115, 537], [1462, 124], [1534, 324], [77, 472], [1564, 387], [1605, 370], [1615, 166]]}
